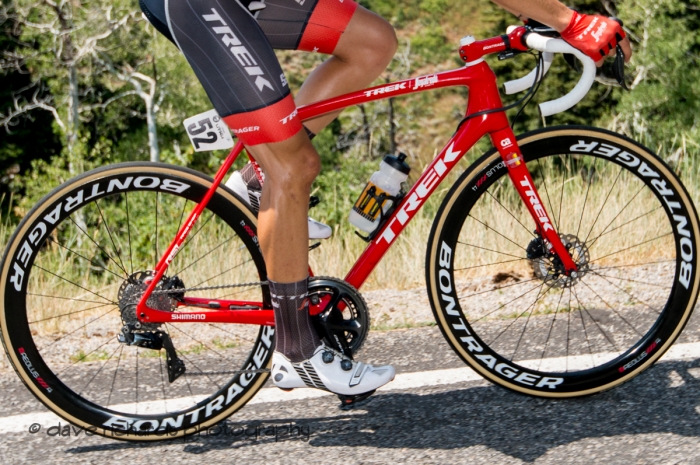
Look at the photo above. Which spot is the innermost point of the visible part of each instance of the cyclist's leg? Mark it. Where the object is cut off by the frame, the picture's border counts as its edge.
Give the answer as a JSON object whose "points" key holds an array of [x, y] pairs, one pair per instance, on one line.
{"points": [[233, 59], [361, 54]]}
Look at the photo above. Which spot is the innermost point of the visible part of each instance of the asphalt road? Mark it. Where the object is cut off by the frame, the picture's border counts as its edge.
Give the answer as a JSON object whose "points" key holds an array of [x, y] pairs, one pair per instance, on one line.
{"points": [[655, 418]]}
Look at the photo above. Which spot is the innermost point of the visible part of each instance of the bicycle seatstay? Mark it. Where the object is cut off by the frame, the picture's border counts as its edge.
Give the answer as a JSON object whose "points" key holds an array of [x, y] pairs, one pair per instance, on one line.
{"points": [[483, 95]]}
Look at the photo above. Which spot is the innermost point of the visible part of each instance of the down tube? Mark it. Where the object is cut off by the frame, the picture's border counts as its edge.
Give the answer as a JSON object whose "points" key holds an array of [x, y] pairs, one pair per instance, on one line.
{"points": [[431, 178]]}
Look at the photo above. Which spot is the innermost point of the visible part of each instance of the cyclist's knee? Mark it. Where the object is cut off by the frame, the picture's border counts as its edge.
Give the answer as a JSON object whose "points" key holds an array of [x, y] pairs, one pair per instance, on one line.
{"points": [[370, 42], [290, 165]]}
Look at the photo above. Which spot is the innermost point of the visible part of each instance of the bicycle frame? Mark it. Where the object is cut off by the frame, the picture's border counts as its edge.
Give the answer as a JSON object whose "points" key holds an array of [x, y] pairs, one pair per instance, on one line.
{"points": [[483, 95]]}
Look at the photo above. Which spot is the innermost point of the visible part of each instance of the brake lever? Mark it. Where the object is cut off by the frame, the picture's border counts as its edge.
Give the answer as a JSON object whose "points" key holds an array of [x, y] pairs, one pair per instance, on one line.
{"points": [[618, 67]]}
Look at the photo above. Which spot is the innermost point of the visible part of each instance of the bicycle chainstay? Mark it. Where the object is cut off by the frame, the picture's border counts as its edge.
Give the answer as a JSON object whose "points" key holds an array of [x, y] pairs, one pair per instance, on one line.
{"points": [[212, 288]]}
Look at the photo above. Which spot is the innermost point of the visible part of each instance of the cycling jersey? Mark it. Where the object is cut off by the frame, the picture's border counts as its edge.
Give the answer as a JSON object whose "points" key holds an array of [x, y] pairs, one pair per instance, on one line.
{"points": [[230, 50]]}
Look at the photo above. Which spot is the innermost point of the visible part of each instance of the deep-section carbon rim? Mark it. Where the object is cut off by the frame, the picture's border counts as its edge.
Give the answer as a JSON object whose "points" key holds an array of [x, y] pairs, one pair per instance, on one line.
{"points": [[60, 314], [499, 298]]}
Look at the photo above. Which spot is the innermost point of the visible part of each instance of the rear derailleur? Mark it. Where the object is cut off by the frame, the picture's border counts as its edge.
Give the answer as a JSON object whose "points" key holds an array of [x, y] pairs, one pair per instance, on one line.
{"points": [[154, 340]]}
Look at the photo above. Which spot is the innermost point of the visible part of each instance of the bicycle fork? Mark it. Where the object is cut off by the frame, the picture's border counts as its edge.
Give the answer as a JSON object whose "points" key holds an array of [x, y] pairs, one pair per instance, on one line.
{"points": [[507, 146]]}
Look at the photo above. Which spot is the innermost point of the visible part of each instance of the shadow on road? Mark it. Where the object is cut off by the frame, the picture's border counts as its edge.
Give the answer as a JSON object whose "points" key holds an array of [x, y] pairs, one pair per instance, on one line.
{"points": [[665, 399]]}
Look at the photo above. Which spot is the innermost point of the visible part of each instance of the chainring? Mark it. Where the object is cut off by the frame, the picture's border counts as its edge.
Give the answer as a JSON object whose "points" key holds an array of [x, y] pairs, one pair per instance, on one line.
{"points": [[344, 323]]}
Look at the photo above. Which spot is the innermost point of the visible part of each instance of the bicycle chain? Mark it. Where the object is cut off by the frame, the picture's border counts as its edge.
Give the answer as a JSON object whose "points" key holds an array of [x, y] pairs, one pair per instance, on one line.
{"points": [[206, 288]]}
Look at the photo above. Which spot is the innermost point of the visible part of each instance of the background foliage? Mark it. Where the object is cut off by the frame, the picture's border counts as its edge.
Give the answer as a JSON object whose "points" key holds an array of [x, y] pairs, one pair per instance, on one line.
{"points": [[108, 45]]}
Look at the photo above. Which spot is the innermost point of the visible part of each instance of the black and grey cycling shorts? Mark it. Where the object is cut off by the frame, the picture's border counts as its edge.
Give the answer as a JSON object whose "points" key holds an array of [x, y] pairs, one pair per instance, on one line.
{"points": [[230, 50]]}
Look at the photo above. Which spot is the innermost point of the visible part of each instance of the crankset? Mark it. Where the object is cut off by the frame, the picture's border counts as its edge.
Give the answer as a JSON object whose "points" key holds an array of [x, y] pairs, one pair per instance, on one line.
{"points": [[344, 322]]}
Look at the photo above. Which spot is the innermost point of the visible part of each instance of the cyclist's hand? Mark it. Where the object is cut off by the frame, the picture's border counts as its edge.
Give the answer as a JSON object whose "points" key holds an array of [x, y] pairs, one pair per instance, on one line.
{"points": [[596, 36]]}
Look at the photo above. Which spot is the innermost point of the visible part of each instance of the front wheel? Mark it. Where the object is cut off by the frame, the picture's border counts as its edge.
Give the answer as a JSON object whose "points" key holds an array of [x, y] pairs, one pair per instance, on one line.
{"points": [[501, 299], [72, 273]]}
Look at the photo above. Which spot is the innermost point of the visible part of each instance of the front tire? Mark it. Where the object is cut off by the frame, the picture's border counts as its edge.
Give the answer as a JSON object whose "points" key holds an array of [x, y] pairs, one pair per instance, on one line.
{"points": [[499, 298]]}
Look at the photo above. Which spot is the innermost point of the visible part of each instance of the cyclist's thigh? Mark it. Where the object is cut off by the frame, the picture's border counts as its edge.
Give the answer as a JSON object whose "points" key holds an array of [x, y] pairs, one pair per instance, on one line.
{"points": [[310, 25], [237, 67]]}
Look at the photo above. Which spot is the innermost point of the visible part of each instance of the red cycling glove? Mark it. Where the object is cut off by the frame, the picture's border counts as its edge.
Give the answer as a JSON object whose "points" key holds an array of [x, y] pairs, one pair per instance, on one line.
{"points": [[594, 35]]}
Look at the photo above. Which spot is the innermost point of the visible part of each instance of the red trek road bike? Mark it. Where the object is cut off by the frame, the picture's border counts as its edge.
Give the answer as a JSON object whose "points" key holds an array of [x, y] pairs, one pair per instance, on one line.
{"points": [[561, 263]]}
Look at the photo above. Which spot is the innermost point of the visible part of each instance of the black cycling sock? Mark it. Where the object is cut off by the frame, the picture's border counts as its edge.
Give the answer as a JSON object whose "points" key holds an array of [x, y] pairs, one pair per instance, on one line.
{"points": [[250, 178], [295, 335]]}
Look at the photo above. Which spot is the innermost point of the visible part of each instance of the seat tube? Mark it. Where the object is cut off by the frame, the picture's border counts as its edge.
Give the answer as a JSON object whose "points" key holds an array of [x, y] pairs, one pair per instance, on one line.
{"points": [[507, 146]]}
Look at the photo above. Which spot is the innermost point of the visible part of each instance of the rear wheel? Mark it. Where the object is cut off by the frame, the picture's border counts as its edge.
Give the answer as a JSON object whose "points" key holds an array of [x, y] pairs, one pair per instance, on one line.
{"points": [[503, 302], [78, 259]]}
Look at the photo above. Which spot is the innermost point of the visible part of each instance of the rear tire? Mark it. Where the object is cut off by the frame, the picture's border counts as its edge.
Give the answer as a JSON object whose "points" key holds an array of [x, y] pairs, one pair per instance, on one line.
{"points": [[60, 279], [630, 226]]}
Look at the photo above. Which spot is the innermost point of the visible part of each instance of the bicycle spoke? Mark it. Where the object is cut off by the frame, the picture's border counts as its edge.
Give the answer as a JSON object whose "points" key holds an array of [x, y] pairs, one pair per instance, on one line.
{"points": [[549, 333], [631, 247], [634, 264], [74, 284], [65, 298], [546, 191], [68, 314], [508, 303], [114, 378], [128, 232], [490, 250], [96, 244], [613, 310], [603, 206], [109, 233], [83, 357], [222, 273], [623, 225], [585, 200], [583, 325], [489, 227], [511, 214], [532, 309], [623, 290], [618, 214], [490, 264], [539, 291], [203, 256], [498, 289], [631, 280], [156, 256], [119, 346], [97, 265], [78, 329]]}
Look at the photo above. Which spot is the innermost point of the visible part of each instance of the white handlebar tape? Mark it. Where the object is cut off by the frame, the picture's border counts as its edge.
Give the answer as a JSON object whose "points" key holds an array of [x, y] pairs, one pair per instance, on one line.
{"points": [[549, 46], [525, 82]]}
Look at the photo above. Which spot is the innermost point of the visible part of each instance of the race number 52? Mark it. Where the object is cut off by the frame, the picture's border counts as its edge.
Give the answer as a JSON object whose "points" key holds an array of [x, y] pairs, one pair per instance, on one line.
{"points": [[208, 132]]}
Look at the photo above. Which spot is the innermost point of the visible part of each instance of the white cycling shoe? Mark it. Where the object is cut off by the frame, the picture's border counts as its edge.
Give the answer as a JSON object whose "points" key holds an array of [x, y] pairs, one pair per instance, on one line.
{"points": [[236, 183], [330, 371]]}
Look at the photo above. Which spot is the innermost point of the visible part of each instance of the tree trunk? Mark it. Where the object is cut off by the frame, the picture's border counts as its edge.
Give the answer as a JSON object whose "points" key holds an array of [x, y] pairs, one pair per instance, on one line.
{"points": [[392, 127], [152, 131]]}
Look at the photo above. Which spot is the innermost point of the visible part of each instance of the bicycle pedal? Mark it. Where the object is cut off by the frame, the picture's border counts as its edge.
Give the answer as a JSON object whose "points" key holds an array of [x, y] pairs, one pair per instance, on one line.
{"points": [[351, 402], [313, 201]]}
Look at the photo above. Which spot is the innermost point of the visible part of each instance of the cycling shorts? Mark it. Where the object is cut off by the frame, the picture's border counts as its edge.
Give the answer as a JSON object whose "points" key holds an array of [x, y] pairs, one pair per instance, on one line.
{"points": [[231, 51]]}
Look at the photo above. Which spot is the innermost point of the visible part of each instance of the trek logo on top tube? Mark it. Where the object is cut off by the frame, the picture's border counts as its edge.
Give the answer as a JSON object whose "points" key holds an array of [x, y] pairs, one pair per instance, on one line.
{"points": [[239, 50]]}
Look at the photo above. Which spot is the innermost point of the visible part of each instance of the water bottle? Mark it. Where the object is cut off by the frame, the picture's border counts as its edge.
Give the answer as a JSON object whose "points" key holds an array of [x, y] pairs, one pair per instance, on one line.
{"points": [[392, 172]]}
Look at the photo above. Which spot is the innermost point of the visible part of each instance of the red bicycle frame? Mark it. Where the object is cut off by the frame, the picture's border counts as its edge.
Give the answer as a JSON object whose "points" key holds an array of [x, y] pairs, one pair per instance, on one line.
{"points": [[483, 96]]}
